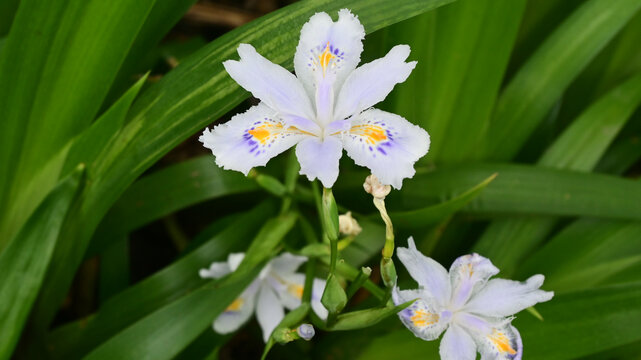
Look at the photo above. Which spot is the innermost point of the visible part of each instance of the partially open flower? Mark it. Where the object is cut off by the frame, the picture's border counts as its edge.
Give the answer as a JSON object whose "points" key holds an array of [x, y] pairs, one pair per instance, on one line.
{"points": [[474, 312], [347, 225], [325, 109], [373, 186]]}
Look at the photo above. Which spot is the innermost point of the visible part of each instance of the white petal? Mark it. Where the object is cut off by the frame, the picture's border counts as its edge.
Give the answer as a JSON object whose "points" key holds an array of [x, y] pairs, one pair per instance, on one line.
{"points": [[496, 340], [271, 83], [457, 344], [423, 317], [287, 263], [289, 288], [501, 298], [234, 259], [215, 271], [387, 144], [317, 292], [344, 41], [319, 159], [238, 312], [250, 139], [269, 311], [429, 274], [468, 274], [370, 83]]}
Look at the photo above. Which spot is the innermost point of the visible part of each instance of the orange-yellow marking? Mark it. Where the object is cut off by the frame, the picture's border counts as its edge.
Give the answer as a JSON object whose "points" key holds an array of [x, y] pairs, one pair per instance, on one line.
{"points": [[236, 305], [263, 132], [325, 57], [423, 318], [295, 290], [373, 133], [502, 342]]}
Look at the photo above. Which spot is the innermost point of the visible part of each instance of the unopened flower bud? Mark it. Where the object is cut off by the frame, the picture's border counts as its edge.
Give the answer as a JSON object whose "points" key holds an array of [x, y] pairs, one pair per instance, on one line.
{"points": [[306, 332], [374, 187], [347, 225]]}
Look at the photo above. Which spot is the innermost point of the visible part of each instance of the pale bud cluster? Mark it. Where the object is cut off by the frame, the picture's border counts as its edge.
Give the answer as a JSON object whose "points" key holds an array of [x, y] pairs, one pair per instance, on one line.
{"points": [[374, 187], [347, 225]]}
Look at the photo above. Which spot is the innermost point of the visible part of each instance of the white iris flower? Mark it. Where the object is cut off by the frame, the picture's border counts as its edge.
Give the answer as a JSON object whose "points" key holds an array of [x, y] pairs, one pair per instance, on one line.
{"points": [[324, 109], [476, 312], [277, 287]]}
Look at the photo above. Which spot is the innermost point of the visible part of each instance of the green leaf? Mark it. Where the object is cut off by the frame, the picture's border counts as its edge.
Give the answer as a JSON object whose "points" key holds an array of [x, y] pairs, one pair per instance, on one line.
{"points": [[463, 50], [578, 148], [604, 249], [136, 302], [583, 143], [166, 191], [365, 318], [183, 102], [549, 71], [621, 156], [163, 16], [522, 189], [568, 331], [68, 60], [86, 146], [7, 12], [433, 214], [24, 262], [165, 332], [618, 61]]}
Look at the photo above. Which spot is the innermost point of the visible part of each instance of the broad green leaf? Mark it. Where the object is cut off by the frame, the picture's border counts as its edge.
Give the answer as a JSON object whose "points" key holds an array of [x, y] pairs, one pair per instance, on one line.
{"points": [[462, 51], [583, 143], [549, 71], [86, 146], [166, 191], [523, 189], [165, 332], [618, 61], [432, 214], [578, 148], [114, 268], [599, 250], [621, 155], [69, 53], [568, 331], [24, 262], [7, 12], [136, 302], [162, 17], [183, 102]]}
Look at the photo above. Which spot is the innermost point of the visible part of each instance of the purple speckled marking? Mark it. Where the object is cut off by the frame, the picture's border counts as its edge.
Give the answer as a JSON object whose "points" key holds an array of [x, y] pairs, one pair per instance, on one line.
{"points": [[388, 144], [381, 150], [370, 149], [253, 149]]}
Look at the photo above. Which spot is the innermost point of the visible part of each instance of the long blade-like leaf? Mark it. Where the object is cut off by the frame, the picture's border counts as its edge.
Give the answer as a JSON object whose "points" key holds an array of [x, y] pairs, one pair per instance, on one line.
{"points": [[164, 333], [542, 80], [579, 148], [24, 262]]}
